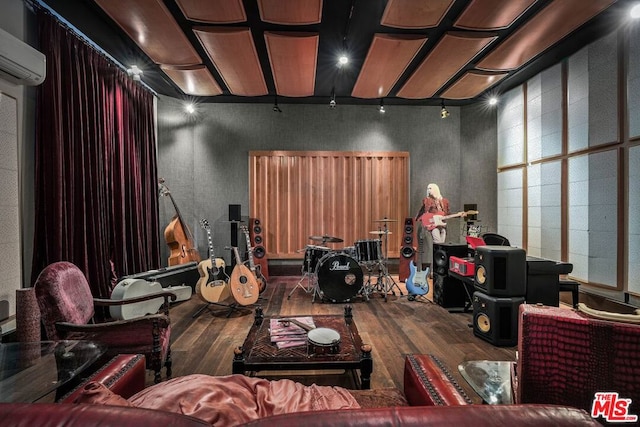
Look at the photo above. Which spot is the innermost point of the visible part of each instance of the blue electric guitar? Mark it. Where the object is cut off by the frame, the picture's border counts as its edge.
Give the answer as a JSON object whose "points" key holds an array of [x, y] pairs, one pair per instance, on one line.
{"points": [[417, 283]]}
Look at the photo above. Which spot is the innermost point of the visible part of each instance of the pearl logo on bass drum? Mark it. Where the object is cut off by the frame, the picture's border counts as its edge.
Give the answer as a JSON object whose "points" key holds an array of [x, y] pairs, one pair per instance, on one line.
{"points": [[462, 266]]}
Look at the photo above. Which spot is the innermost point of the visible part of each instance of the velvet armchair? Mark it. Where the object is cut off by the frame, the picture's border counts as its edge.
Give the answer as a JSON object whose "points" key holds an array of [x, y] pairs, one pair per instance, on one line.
{"points": [[67, 311]]}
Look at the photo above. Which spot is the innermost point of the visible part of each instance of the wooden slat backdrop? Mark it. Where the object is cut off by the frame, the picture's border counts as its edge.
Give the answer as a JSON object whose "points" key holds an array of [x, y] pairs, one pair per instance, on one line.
{"points": [[297, 194]]}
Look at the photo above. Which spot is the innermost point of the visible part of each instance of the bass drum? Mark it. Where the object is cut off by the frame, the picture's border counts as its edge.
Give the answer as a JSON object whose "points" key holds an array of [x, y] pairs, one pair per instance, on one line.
{"points": [[340, 277]]}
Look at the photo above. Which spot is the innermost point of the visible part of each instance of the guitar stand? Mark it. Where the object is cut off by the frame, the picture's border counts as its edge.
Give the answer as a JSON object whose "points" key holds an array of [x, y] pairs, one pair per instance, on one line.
{"points": [[234, 306]]}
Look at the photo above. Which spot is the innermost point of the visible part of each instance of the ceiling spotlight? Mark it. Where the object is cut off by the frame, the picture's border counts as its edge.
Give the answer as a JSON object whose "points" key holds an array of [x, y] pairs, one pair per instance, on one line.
{"points": [[135, 72], [343, 60], [635, 11], [332, 103], [276, 109], [444, 113], [190, 108], [493, 100], [381, 107]]}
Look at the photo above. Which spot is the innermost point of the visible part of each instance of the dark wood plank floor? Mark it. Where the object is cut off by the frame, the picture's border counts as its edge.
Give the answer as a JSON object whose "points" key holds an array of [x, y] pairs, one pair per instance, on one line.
{"points": [[394, 328]]}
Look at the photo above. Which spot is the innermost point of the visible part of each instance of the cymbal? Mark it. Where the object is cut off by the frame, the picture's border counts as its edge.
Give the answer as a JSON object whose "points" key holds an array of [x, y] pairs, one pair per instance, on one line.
{"points": [[385, 220], [326, 238], [381, 232]]}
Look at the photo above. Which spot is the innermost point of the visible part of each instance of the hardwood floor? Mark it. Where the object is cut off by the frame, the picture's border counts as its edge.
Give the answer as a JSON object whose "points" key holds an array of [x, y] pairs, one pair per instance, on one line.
{"points": [[205, 344]]}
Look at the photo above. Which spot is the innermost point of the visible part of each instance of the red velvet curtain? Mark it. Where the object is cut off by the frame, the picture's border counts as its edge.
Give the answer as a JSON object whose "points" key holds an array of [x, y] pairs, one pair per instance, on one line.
{"points": [[96, 191]]}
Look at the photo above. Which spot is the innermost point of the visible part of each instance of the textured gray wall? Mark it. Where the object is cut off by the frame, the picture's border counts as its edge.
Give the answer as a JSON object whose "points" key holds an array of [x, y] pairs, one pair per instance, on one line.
{"points": [[204, 158]]}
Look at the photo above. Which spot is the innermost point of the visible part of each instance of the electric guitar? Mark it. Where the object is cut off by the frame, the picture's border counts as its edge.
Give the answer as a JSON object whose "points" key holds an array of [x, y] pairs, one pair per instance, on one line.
{"points": [[255, 269], [244, 286], [212, 285], [417, 283], [433, 220]]}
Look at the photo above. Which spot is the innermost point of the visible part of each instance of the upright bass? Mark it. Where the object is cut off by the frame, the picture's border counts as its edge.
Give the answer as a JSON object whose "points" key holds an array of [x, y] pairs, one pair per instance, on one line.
{"points": [[178, 235]]}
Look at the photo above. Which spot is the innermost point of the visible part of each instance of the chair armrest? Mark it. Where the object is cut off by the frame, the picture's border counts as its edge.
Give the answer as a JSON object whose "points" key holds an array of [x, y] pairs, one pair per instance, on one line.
{"points": [[428, 382], [111, 302], [67, 327]]}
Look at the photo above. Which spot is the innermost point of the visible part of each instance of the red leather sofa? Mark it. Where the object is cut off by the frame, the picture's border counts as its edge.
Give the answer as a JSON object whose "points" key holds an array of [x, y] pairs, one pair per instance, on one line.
{"points": [[435, 398]]}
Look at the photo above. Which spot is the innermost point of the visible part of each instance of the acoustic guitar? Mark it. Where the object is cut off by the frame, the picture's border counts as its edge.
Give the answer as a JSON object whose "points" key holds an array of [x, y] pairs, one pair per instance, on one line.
{"points": [[243, 284], [212, 286], [432, 220], [255, 269]]}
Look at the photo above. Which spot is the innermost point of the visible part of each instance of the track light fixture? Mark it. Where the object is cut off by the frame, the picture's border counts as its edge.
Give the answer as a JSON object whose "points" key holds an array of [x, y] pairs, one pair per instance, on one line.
{"points": [[444, 113], [381, 108], [332, 103], [135, 72], [276, 109]]}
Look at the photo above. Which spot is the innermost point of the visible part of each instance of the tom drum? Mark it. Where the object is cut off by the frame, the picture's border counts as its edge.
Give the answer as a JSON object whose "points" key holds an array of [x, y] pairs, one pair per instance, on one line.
{"points": [[312, 255], [369, 250]]}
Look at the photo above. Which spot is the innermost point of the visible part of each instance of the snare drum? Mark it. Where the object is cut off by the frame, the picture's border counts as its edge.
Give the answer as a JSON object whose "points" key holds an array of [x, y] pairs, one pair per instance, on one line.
{"points": [[339, 277], [369, 250], [312, 255]]}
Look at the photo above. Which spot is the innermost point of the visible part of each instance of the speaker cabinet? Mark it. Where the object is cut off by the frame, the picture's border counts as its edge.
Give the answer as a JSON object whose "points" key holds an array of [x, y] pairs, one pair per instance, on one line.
{"points": [[441, 254], [501, 271], [407, 249], [496, 319], [256, 234], [448, 292], [235, 212]]}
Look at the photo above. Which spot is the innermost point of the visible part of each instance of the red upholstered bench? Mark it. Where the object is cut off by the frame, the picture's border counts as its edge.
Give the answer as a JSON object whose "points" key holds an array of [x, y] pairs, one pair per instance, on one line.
{"points": [[124, 375]]}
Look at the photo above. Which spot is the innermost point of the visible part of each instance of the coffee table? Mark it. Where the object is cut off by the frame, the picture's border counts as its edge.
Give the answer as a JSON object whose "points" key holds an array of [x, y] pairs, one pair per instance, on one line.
{"points": [[30, 371], [259, 354], [490, 379]]}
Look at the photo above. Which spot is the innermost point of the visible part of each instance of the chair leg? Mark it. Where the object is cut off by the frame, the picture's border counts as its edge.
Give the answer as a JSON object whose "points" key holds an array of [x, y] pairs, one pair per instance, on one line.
{"points": [[168, 363]]}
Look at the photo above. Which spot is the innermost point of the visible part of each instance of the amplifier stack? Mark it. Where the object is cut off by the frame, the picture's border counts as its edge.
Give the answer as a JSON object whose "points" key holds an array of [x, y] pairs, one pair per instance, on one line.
{"points": [[500, 282]]}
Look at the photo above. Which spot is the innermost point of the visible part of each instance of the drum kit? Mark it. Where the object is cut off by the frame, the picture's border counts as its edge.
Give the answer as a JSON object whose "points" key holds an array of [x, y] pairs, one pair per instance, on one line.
{"points": [[338, 275]]}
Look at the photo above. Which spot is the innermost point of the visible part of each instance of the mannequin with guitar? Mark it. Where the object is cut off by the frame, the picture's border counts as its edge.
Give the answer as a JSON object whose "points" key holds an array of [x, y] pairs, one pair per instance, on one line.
{"points": [[432, 216]]}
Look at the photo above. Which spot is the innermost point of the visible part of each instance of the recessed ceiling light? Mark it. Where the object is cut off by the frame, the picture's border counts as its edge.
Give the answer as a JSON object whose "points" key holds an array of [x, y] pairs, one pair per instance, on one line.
{"points": [[493, 100], [190, 108], [635, 11], [343, 60]]}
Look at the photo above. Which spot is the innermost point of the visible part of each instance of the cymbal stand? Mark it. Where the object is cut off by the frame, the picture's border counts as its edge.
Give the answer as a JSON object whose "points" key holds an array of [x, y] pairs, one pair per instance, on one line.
{"points": [[307, 275], [383, 276]]}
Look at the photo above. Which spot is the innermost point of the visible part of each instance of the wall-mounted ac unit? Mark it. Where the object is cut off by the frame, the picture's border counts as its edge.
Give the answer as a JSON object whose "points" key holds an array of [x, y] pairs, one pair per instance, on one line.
{"points": [[20, 63]]}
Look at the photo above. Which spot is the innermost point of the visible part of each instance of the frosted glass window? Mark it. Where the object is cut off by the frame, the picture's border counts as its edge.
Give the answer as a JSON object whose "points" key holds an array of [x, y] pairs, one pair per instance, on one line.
{"points": [[544, 114], [592, 100], [510, 205], [633, 83], [634, 219], [511, 128], [544, 210], [593, 217]]}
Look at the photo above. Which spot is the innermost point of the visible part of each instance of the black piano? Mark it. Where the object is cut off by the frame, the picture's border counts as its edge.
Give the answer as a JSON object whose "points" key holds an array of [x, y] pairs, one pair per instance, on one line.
{"points": [[543, 281]]}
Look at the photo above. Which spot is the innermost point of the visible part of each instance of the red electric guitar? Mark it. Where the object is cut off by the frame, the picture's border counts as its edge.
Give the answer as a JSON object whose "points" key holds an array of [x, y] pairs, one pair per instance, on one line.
{"points": [[433, 220]]}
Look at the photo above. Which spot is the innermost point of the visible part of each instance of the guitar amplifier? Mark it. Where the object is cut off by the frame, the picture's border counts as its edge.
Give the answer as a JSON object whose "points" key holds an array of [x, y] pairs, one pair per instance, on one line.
{"points": [[463, 266]]}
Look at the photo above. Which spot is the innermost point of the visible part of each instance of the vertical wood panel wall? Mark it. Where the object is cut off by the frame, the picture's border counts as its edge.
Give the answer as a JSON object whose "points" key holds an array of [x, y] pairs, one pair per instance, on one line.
{"points": [[297, 194]]}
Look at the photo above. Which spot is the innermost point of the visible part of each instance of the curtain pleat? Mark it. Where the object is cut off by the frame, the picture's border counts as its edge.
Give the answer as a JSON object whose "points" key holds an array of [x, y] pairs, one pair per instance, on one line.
{"points": [[96, 191]]}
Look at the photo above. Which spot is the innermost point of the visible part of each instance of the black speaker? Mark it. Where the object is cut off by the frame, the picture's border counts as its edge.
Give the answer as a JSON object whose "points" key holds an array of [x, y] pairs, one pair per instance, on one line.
{"points": [[496, 319], [256, 235], [501, 271], [441, 254], [235, 213], [407, 249], [448, 292]]}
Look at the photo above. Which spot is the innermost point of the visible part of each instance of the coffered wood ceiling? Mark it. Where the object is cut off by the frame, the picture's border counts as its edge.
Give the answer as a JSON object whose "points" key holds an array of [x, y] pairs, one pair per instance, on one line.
{"points": [[405, 51]]}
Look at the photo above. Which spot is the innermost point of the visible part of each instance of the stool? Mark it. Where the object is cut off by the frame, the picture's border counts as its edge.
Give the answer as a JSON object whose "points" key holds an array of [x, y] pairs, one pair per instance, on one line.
{"points": [[570, 286]]}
